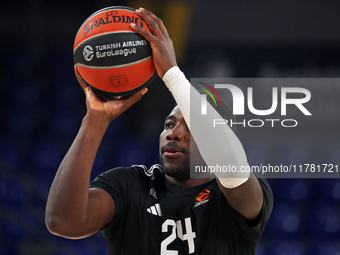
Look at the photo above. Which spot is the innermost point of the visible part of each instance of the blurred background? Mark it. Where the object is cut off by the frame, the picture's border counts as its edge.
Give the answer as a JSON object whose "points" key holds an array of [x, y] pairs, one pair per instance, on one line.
{"points": [[42, 105]]}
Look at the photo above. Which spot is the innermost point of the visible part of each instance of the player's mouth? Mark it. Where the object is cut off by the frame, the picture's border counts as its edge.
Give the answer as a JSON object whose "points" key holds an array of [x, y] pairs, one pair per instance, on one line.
{"points": [[172, 151]]}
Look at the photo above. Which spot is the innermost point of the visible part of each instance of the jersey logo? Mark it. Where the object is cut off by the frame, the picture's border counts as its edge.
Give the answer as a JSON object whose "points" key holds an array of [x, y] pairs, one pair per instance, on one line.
{"points": [[155, 210], [153, 193], [202, 197]]}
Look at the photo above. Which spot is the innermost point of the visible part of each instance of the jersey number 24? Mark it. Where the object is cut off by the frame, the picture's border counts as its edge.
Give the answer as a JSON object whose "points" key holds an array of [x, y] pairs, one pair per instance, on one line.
{"points": [[171, 226]]}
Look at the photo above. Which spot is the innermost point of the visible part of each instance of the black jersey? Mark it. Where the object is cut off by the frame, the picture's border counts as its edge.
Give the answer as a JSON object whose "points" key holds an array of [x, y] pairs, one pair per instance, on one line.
{"points": [[154, 216]]}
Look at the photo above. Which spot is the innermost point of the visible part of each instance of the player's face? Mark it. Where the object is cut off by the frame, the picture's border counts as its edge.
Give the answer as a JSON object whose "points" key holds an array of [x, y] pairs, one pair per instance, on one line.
{"points": [[174, 146]]}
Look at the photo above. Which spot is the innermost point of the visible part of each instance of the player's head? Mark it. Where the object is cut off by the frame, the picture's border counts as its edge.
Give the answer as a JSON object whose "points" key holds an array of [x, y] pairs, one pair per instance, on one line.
{"points": [[174, 146], [177, 147]]}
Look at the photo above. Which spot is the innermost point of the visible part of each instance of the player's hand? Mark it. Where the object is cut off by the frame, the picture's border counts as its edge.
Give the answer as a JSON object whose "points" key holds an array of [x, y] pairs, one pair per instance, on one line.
{"points": [[161, 44], [108, 110]]}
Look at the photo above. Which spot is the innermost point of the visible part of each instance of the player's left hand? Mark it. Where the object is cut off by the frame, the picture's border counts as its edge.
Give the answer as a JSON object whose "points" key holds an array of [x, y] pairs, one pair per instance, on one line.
{"points": [[161, 44], [108, 110]]}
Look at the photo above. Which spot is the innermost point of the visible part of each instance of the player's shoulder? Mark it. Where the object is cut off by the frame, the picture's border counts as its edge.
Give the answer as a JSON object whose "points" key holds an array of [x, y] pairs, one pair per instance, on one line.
{"points": [[131, 173]]}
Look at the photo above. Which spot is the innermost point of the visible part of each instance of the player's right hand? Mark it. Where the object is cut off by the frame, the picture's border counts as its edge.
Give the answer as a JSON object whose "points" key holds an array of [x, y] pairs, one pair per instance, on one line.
{"points": [[163, 51], [108, 110]]}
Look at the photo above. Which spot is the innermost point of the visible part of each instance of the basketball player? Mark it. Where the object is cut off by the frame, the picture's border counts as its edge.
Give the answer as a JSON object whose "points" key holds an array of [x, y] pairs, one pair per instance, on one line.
{"points": [[160, 210]]}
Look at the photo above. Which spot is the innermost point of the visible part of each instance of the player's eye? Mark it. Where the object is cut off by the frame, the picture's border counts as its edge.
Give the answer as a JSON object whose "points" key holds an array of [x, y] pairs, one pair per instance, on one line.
{"points": [[168, 125]]}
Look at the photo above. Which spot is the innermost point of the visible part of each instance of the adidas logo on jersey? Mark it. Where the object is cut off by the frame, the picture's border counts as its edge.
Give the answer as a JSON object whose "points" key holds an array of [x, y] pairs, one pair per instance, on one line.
{"points": [[155, 210]]}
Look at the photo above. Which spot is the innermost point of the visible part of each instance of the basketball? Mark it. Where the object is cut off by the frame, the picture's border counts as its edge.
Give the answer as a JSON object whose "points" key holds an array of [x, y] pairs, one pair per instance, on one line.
{"points": [[111, 58]]}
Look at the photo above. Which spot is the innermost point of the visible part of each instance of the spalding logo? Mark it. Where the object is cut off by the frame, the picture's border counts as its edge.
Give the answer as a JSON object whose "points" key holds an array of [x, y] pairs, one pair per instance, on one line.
{"points": [[88, 53], [112, 19]]}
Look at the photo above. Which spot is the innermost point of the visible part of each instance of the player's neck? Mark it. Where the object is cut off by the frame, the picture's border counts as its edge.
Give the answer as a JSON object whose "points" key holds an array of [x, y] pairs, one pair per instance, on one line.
{"points": [[188, 183]]}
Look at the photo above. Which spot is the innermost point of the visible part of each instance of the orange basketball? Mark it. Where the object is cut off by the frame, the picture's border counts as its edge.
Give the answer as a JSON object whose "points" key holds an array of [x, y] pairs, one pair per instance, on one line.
{"points": [[113, 59]]}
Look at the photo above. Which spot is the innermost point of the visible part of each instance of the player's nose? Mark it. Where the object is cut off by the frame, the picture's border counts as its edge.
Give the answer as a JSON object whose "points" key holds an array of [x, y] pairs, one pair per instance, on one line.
{"points": [[175, 133]]}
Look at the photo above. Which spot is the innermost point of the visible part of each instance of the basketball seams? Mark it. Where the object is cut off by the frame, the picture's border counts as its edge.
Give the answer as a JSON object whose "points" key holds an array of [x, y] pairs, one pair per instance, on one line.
{"points": [[110, 8], [115, 66], [101, 34], [125, 92]]}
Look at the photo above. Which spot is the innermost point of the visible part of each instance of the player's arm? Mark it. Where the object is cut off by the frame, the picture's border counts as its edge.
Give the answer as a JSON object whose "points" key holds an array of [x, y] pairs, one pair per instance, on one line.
{"points": [[221, 147], [73, 210], [244, 194], [247, 198]]}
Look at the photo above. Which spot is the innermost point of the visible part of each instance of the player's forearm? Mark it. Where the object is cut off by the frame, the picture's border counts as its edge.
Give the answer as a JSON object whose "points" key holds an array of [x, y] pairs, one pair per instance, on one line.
{"points": [[68, 198]]}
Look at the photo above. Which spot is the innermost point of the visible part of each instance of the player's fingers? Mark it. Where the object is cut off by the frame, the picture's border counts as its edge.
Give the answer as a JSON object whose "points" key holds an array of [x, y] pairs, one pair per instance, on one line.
{"points": [[146, 34], [128, 102], [159, 22], [155, 24], [87, 89], [79, 78], [88, 92]]}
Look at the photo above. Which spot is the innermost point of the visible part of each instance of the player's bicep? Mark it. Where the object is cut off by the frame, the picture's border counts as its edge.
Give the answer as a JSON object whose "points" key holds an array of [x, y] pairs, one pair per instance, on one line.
{"points": [[100, 211]]}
